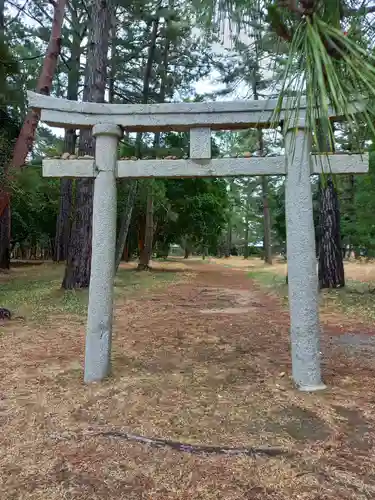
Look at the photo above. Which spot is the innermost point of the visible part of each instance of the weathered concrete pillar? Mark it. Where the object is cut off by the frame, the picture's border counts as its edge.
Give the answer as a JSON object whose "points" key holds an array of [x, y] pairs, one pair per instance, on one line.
{"points": [[100, 311], [302, 275]]}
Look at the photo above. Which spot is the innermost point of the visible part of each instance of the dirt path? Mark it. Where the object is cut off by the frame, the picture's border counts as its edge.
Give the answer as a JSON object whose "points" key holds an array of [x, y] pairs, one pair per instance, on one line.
{"points": [[204, 361]]}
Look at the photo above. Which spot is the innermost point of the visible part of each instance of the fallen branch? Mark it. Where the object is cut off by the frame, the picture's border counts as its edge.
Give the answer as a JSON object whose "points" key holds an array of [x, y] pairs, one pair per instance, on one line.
{"points": [[196, 448]]}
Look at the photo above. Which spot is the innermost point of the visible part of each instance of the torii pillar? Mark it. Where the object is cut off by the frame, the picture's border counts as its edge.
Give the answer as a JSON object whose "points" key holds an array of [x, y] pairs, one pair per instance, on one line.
{"points": [[100, 310], [301, 254]]}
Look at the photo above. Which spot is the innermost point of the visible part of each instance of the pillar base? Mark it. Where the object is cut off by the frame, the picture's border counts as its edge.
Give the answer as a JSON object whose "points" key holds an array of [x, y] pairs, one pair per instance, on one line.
{"points": [[312, 388]]}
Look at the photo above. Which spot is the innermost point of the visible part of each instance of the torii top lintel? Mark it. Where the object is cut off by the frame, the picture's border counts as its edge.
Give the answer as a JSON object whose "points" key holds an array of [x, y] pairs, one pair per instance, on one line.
{"points": [[219, 115]]}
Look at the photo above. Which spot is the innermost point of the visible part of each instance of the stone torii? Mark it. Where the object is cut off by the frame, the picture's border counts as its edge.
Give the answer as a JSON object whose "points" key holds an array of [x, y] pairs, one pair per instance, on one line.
{"points": [[108, 121]]}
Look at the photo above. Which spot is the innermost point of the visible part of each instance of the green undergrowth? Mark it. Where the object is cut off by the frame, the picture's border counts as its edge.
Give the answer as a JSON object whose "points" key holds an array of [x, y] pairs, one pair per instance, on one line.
{"points": [[356, 299], [34, 293], [272, 282]]}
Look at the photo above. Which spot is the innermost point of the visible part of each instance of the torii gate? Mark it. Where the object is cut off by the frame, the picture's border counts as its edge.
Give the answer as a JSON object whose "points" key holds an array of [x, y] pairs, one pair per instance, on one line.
{"points": [[108, 122]]}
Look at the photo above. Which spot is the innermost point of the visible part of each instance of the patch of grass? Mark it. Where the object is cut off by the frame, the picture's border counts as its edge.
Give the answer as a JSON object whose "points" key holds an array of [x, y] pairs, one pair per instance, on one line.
{"points": [[272, 282], [128, 281], [267, 278], [35, 293], [357, 299]]}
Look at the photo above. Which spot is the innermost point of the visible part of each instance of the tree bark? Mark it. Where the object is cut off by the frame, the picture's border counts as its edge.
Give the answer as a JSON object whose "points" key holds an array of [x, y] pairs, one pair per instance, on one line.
{"points": [[26, 137], [125, 222], [63, 223], [2, 8], [5, 238], [128, 209], [330, 260], [266, 223], [348, 215], [8, 133], [228, 246], [146, 252], [126, 254], [267, 240], [228, 242], [331, 267], [5, 225], [114, 60], [78, 267], [246, 245], [5, 222]]}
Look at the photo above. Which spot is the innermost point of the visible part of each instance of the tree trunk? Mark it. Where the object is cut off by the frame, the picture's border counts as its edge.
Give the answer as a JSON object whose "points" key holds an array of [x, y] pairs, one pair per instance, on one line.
{"points": [[186, 253], [26, 137], [63, 223], [126, 254], [78, 267], [125, 221], [331, 267], [5, 238], [266, 223], [145, 257], [150, 58], [4, 195], [128, 209], [2, 8], [114, 60], [145, 254], [247, 213], [228, 246], [228, 243], [348, 214], [246, 244], [7, 138], [267, 240]]}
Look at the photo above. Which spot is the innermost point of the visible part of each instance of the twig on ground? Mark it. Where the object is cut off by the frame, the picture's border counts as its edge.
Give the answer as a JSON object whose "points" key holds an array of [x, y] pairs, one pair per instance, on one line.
{"points": [[196, 449]]}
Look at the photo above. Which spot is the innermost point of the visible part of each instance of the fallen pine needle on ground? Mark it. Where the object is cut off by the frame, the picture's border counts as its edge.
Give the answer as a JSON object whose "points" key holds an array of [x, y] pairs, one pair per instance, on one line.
{"points": [[200, 357]]}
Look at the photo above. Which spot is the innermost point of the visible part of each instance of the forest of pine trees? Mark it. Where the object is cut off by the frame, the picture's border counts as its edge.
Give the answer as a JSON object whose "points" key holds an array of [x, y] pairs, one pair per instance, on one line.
{"points": [[153, 52]]}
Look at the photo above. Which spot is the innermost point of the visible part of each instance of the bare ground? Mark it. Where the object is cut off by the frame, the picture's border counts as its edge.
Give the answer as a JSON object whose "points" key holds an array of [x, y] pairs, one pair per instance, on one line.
{"points": [[204, 361]]}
